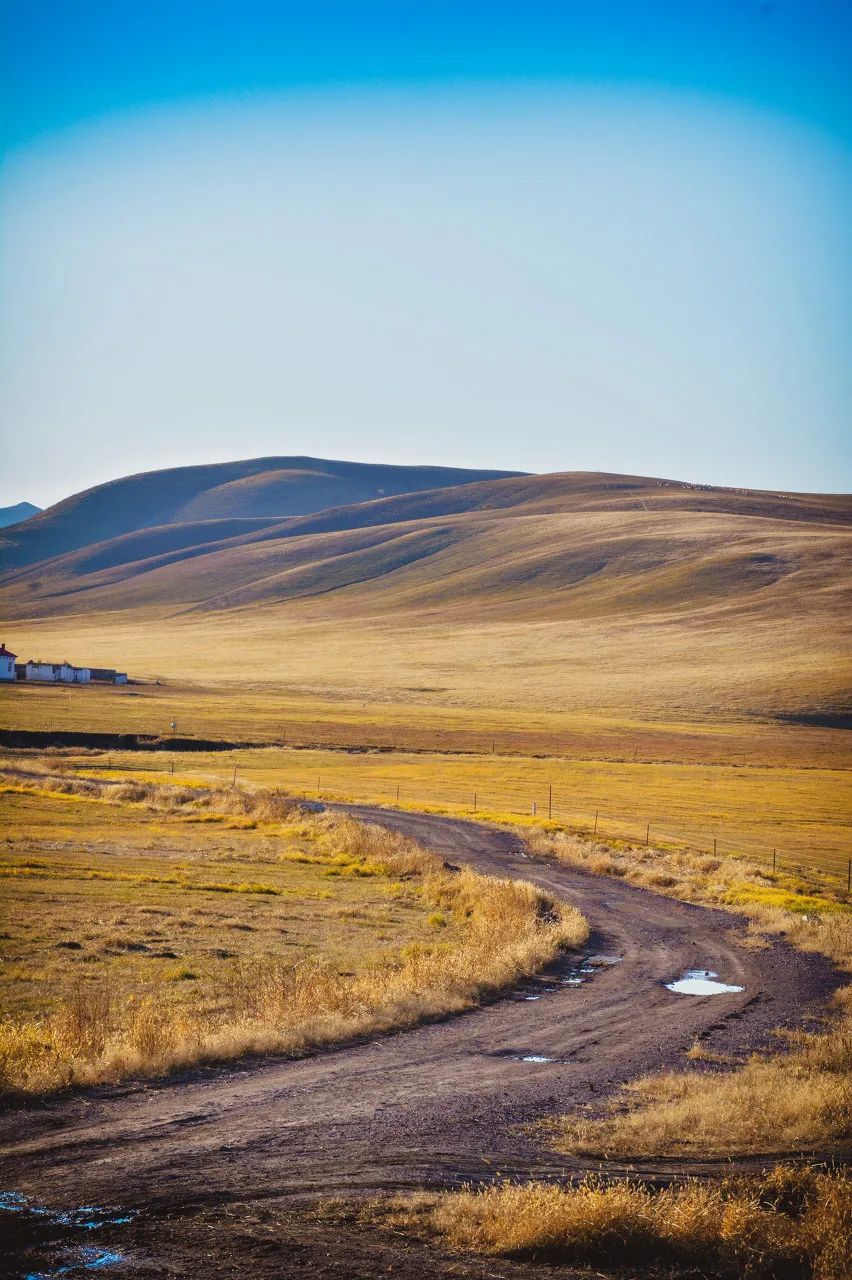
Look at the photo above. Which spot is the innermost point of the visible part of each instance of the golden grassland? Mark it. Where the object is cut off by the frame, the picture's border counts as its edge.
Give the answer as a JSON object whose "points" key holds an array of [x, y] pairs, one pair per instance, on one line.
{"points": [[150, 927], [787, 1222], [649, 715], [635, 651], [415, 720], [805, 814]]}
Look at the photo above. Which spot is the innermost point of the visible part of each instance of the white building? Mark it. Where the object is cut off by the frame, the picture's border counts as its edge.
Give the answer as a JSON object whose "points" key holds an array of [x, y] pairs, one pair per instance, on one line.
{"points": [[44, 671], [53, 672], [7, 663]]}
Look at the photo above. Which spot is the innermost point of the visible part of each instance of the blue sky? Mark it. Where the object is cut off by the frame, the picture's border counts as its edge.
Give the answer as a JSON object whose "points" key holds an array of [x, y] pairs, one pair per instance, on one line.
{"points": [[543, 236]]}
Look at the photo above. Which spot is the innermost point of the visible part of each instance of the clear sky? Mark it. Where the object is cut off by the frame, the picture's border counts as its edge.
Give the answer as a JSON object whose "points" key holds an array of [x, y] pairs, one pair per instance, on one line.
{"points": [[543, 236]]}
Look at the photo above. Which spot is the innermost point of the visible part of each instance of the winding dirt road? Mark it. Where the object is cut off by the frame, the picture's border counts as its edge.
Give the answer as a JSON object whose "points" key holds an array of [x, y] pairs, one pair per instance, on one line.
{"points": [[218, 1163]]}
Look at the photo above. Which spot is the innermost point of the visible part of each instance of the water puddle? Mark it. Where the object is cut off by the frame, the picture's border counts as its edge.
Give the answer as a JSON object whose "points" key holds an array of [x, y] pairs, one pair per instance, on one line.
{"points": [[535, 1057], [701, 982], [586, 967], [85, 1259], [45, 1236]]}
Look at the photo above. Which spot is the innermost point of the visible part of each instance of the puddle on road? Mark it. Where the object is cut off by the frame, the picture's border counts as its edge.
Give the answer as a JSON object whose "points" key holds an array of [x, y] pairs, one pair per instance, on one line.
{"points": [[586, 967], [46, 1236], [85, 1259], [701, 982], [535, 1057]]}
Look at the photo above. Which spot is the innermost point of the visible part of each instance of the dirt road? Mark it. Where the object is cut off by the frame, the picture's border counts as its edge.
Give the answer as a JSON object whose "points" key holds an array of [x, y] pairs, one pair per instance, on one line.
{"points": [[217, 1162]]}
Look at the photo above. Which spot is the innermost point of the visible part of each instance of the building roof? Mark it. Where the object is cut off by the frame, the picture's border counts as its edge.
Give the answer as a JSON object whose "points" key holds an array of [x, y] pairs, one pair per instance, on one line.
{"points": [[6, 653]]}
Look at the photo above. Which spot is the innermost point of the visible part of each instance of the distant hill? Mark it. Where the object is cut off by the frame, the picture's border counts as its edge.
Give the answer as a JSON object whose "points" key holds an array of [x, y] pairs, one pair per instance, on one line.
{"points": [[258, 488], [578, 588], [19, 512]]}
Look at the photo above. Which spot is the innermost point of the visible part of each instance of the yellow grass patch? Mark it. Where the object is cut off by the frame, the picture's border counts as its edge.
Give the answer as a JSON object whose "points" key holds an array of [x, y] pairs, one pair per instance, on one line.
{"points": [[787, 1222]]}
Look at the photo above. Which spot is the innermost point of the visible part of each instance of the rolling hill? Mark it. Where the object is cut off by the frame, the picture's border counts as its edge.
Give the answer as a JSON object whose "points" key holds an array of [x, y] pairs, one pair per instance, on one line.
{"points": [[573, 589]]}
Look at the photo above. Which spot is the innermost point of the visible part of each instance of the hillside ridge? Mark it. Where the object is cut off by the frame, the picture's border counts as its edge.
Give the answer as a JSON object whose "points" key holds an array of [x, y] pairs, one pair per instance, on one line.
{"points": [[245, 489]]}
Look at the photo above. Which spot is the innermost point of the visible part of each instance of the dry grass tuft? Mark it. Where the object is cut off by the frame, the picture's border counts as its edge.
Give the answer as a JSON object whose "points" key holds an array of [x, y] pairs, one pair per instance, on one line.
{"points": [[267, 805], [789, 1222], [800, 1101]]}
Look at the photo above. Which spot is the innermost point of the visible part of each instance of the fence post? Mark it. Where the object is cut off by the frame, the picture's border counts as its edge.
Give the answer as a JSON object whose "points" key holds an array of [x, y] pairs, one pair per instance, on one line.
{"points": [[550, 800], [647, 833], [474, 802], [714, 846], [849, 876], [397, 793], [534, 809], [774, 858], [595, 831]]}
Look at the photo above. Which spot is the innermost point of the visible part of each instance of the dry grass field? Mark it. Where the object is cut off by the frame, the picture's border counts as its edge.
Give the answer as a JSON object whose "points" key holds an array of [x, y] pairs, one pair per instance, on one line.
{"points": [[805, 814], [252, 712], [147, 927]]}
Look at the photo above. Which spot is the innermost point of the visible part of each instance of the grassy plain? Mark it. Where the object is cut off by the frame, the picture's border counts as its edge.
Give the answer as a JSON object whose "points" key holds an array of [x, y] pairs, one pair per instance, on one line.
{"points": [[148, 927], [417, 721]]}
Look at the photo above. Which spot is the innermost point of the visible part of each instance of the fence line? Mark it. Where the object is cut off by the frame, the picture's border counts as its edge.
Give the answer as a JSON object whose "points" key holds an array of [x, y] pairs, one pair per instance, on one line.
{"points": [[544, 802]]}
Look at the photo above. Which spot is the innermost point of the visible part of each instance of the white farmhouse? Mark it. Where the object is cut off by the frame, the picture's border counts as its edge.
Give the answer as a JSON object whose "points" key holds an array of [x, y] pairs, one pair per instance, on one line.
{"points": [[7, 663]]}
